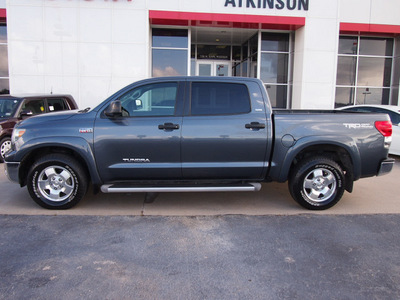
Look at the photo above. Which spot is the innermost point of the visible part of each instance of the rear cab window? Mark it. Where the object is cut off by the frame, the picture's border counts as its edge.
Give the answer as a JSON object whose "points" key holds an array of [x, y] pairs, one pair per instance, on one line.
{"points": [[57, 104], [217, 98]]}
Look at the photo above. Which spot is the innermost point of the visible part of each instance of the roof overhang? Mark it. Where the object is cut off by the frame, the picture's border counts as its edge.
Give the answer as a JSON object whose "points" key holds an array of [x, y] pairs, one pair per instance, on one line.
{"points": [[225, 20], [366, 28]]}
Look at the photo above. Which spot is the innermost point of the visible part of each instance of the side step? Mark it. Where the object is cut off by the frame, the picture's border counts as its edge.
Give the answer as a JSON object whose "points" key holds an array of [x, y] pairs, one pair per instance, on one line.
{"points": [[119, 188]]}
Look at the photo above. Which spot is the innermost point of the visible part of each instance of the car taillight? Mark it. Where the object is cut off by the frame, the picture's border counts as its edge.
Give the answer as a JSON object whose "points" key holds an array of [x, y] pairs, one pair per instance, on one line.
{"points": [[384, 127]]}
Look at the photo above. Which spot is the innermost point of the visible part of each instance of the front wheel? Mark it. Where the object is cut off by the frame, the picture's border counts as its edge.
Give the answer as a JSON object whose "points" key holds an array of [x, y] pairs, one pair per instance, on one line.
{"points": [[317, 183], [57, 181]]}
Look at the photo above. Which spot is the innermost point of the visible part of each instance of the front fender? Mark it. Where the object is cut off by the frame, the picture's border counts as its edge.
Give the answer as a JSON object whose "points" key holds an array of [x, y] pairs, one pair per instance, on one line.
{"points": [[78, 145], [287, 155]]}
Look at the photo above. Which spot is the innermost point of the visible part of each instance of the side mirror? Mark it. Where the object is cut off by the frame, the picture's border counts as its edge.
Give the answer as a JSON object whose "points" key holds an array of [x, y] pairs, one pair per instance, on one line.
{"points": [[25, 113], [114, 109]]}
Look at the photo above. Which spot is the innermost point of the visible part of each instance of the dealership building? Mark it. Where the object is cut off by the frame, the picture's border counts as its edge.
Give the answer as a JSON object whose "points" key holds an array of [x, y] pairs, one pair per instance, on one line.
{"points": [[309, 53]]}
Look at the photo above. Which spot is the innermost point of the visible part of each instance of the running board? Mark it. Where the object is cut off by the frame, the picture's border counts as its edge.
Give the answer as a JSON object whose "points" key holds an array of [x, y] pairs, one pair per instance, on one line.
{"points": [[118, 188]]}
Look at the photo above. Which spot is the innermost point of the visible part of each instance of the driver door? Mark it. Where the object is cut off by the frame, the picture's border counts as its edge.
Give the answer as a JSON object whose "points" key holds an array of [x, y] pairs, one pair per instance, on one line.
{"points": [[145, 142]]}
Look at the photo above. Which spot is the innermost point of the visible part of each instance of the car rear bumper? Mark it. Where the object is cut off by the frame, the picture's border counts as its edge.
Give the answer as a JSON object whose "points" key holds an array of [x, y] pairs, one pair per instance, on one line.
{"points": [[386, 166], [11, 170]]}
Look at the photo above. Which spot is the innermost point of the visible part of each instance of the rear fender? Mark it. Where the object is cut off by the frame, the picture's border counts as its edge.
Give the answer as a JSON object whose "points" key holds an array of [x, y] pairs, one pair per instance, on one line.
{"points": [[312, 142]]}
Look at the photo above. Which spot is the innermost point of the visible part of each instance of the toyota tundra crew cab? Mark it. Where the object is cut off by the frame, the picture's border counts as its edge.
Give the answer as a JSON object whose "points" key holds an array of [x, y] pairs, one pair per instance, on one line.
{"points": [[195, 134]]}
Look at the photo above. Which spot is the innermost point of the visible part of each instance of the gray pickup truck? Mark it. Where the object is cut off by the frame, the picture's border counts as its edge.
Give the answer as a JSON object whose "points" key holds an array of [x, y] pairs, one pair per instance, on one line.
{"points": [[195, 134]]}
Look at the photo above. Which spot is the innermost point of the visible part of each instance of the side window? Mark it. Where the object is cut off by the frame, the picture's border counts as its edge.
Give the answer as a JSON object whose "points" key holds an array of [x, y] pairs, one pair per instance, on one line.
{"points": [[361, 109], [157, 99], [395, 118], [56, 104], [35, 106], [8, 107], [209, 98]]}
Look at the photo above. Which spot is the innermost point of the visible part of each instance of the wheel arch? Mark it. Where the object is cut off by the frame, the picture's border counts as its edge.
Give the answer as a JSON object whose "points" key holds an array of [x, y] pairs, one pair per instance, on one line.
{"points": [[345, 154], [5, 136], [83, 155]]}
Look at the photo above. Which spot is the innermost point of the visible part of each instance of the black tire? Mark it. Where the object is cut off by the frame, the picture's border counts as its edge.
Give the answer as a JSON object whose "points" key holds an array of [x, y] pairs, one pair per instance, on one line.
{"points": [[57, 181], [317, 183], [5, 145]]}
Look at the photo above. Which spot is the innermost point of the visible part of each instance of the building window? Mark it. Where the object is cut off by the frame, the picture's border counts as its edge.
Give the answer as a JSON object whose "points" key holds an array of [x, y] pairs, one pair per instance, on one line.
{"points": [[169, 52], [4, 77], [244, 58], [275, 67], [364, 70]]}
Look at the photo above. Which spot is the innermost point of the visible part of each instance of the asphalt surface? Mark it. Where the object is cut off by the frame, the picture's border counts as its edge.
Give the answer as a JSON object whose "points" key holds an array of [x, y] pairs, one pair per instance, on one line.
{"points": [[214, 257], [203, 246]]}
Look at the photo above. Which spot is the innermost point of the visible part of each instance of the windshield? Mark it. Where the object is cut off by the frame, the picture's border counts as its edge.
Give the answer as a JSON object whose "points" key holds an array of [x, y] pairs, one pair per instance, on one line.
{"points": [[8, 107]]}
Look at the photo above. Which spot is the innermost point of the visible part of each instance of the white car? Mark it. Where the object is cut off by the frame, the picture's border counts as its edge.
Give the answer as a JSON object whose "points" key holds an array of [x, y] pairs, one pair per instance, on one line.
{"points": [[394, 114]]}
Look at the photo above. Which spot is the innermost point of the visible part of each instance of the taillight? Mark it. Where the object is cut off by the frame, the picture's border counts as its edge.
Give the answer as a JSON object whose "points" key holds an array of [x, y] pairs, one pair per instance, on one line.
{"points": [[384, 127]]}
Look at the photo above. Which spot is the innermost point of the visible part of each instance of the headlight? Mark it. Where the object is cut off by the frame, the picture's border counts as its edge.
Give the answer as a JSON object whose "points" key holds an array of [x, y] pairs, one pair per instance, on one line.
{"points": [[17, 133]]}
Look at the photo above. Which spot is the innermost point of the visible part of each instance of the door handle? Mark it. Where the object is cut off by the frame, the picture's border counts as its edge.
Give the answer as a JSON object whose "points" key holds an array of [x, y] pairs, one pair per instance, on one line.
{"points": [[255, 125], [168, 126]]}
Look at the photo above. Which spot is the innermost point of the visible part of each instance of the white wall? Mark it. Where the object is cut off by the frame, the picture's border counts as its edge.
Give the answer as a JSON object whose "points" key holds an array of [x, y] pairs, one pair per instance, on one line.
{"points": [[89, 49], [371, 11], [315, 58]]}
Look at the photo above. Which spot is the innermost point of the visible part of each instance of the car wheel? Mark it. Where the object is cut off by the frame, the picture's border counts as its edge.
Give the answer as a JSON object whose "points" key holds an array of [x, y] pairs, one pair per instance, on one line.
{"points": [[5, 145], [57, 181], [317, 183]]}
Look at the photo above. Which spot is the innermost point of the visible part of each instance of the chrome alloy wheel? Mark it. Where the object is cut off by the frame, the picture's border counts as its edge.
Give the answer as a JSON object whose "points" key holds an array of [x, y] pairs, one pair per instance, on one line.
{"points": [[56, 183], [319, 185], [5, 147]]}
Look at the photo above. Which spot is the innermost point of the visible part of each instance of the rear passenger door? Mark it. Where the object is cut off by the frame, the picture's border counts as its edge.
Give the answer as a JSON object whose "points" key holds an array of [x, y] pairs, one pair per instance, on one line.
{"points": [[223, 133]]}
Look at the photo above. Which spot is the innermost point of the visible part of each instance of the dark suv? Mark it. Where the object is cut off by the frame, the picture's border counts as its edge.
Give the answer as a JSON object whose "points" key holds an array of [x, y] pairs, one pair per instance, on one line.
{"points": [[14, 109]]}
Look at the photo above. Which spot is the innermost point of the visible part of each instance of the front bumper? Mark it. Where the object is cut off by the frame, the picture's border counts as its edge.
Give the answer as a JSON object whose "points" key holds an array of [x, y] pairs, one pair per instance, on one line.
{"points": [[11, 170], [386, 166]]}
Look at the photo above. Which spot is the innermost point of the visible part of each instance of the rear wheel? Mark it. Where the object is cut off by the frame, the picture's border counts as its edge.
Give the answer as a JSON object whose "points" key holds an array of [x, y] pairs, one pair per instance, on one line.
{"points": [[57, 181], [5, 145], [317, 183]]}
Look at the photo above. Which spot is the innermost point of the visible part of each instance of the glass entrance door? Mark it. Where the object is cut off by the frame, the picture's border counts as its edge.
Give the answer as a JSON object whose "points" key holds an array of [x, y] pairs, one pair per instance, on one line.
{"points": [[213, 68]]}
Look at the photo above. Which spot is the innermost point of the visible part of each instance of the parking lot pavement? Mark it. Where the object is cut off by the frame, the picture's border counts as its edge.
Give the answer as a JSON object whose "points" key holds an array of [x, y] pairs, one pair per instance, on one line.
{"points": [[209, 257], [376, 195]]}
